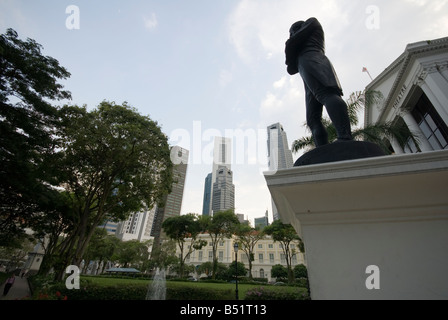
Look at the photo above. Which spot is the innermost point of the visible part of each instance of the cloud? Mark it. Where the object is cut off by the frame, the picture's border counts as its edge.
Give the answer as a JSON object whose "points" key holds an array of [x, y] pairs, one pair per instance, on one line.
{"points": [[258, 29], [284, 102], [225, 77], [150, 22]]}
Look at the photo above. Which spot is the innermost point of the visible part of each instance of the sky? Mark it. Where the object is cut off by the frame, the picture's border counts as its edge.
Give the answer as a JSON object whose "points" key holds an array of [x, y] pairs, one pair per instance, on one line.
{"points": [[203, 68]]}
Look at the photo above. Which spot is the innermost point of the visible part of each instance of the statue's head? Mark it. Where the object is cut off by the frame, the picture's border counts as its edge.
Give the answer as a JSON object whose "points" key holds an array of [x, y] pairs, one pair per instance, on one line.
{"points": [[295, 27]]}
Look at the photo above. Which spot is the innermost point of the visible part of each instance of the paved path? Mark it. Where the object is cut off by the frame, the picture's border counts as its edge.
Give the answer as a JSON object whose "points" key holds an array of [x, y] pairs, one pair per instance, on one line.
{"points": [[19, 290]]}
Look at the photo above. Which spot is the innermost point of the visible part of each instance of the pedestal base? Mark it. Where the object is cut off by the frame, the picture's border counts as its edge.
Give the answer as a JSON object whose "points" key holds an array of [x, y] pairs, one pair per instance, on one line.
{"points": [[340, 151], [373, 228]]}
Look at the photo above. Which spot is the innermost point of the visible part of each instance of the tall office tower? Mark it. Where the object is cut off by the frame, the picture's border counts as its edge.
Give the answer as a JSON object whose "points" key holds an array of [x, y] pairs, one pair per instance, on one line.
{"points": [[262, 221], [207, 195], [173, 201], [223, 190], [279, 154], [222, 154]]}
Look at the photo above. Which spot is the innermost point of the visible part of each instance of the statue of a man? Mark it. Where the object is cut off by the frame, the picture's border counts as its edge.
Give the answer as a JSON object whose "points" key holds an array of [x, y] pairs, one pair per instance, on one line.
{"points": [[305, 54]]}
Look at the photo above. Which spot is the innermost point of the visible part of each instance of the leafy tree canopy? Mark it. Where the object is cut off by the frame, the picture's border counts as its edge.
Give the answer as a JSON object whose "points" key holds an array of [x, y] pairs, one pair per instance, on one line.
{"points": [[29, 83]]}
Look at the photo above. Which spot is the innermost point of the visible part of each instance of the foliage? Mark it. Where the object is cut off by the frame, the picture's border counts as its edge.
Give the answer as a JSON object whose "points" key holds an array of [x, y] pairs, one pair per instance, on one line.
{"points": [[286, 235], [131, 253], [179, 228], [377, 133], [164, 255], [137, 291], [29, 83], [102, 247], [264, 293], [247, 239], [278, 271], [112, 162], [221, 225], [240, 270], [300, 271]]}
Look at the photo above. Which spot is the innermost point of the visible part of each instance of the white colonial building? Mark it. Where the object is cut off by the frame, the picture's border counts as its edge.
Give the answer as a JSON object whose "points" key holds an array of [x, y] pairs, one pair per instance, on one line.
{"points": [[267, 253], [415, 91]]}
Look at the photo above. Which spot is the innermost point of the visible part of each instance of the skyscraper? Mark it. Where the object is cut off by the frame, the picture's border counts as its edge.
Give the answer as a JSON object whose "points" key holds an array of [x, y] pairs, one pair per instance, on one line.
{"points": [[148, 223], [279, 154], [223, 190], [207, 195], [219, 182], [173, 203]]}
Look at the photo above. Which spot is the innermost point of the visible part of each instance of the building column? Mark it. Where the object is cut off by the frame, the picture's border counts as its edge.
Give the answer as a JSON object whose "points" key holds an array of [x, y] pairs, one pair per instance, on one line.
{"points": [[396, 146], [415, 129]]}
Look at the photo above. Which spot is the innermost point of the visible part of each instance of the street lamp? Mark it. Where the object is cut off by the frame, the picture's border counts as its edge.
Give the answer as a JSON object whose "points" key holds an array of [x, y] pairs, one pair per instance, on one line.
{"points": [[235, 247]]}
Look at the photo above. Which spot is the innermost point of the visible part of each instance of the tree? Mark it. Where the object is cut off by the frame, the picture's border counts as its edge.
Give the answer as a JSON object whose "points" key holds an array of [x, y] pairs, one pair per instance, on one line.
{"points": [[132, 253], [377, 133], [112, 162], [300, 271], [164, 255], [279, 272], [239, 271], [180, 228], [247, 239], [29, 84], [220, 226], [286, 235]]}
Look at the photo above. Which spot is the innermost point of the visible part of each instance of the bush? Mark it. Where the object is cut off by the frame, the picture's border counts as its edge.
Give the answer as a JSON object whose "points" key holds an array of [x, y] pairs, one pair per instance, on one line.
{"points": [[89, 291], [262, 293]]}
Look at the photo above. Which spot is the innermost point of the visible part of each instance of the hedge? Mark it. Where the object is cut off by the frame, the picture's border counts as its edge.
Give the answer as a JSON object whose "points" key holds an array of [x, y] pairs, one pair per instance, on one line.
{"points": [[132, 292]]}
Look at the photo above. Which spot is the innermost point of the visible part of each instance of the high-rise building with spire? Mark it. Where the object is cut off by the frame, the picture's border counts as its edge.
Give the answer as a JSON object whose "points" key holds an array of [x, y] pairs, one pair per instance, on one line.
{"points": [[279, 154], [219, 190]]}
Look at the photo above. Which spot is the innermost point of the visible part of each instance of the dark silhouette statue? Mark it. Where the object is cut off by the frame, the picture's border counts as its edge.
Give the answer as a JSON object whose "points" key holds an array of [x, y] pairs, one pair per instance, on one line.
{"points": [[305, 54]]}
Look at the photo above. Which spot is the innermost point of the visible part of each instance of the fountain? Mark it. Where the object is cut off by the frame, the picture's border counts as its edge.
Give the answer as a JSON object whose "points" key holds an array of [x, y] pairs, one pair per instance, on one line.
{"points": [[157, 288]]}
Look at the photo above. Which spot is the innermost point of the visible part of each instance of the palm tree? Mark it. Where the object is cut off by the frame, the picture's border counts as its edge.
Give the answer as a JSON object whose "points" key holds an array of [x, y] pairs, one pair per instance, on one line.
{"points": [[378, 133]]}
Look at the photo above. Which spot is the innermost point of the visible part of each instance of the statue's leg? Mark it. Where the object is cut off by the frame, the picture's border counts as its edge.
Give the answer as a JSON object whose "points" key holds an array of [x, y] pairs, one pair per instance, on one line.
{"points": [[314, 119], [337, 110]]}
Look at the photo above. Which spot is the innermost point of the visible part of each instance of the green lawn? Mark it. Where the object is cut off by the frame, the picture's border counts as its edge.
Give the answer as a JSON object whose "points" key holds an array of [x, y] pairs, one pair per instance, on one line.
{"points": [[242, 288]]}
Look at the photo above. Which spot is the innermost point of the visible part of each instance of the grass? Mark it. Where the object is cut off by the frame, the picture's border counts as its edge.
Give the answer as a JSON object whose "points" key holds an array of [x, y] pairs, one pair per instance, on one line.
{"points": [[242, 288]]}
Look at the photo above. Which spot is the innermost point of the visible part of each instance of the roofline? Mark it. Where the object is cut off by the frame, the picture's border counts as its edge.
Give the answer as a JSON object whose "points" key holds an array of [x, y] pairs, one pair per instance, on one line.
{"points": [[402, 62]]}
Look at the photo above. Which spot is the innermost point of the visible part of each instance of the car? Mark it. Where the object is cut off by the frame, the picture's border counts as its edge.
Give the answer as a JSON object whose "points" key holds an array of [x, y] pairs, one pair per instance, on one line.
{"points": [[192, 279], [279, 283]]}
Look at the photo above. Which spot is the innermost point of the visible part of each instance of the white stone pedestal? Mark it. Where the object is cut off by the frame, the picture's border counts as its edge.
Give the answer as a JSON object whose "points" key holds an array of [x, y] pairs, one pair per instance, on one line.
{"points": [[390, 212]]}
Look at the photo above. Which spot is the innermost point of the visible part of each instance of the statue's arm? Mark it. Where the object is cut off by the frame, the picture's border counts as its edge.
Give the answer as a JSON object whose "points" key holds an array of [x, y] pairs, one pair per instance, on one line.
{"points": [[295, 42]]}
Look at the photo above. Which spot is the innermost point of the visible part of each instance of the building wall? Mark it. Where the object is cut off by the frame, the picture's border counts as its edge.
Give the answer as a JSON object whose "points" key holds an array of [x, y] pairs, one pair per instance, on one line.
{"points": [[267, 254], [419, 74]]}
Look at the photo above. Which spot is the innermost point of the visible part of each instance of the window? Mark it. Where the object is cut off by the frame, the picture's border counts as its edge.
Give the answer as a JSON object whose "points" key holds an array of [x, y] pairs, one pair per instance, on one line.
{"points": [[220, 256], [260, 257], [294, 259], [210, 256], [271, 258], [282, 258], [270, 246], [200, 256], [260, 246], [431, 124]]}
